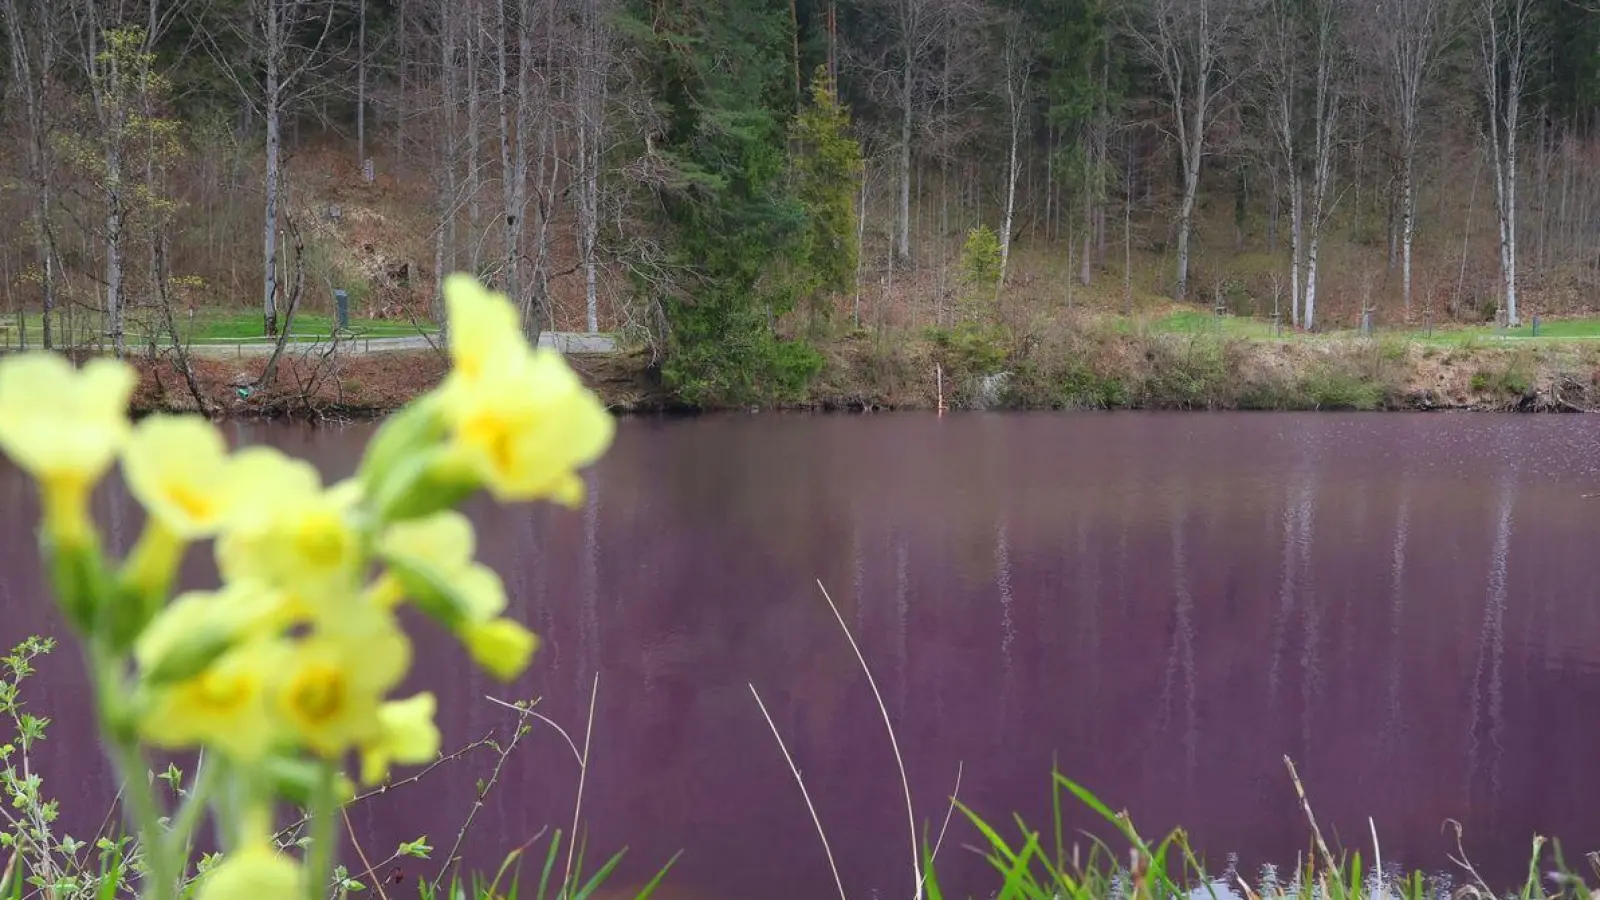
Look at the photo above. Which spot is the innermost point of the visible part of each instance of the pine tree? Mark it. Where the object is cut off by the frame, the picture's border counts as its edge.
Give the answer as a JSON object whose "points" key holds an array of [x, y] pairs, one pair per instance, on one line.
{"points": [[720, 75], [826, 166]]}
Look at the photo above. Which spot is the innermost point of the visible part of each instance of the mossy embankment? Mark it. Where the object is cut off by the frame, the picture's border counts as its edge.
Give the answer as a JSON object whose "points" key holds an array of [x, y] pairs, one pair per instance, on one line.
{"points": [[1101, 367], [1093, 367]]}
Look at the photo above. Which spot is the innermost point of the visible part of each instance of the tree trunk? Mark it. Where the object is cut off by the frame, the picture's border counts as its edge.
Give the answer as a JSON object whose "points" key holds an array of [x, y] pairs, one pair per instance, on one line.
{"points": [[591, 105], [361, 85], [474, 45], [903, 222], [30, 74], [1408, 225], [273, 109]]}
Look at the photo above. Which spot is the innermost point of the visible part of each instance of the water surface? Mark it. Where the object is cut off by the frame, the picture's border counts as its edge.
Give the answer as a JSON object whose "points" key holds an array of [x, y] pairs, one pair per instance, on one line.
{"points": [[1162, 605]]}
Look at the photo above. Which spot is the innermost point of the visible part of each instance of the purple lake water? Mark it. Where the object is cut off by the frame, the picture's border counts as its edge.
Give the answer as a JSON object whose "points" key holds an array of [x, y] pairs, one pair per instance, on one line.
{"points": [[1163, 606]]}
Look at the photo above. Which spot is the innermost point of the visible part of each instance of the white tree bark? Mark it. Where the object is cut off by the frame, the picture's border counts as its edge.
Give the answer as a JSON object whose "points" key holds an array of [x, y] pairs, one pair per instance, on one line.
{"points": [[591, 123], [1506, 41], [474, 186], [1018, 72], [272, 107], [1327, 101], [1406, 37]]}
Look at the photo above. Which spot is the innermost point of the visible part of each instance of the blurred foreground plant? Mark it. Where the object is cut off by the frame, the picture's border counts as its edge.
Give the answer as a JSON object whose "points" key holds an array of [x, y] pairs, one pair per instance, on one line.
{"points": [[283, 674]]}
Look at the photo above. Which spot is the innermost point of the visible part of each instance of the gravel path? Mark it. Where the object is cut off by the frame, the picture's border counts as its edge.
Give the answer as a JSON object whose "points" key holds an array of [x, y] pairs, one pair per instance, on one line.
{"points": [[565, 341]]}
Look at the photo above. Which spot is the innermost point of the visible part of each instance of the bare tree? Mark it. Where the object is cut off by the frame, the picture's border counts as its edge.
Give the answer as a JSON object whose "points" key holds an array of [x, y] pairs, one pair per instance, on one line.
{"points": [[1328, 57], [1403, 47], [1186, 42], [1302, 48], [593, 64], [1016, 75], [1283, 76], [33, 41], [283, 41], [1508, 38], [919, 32]]}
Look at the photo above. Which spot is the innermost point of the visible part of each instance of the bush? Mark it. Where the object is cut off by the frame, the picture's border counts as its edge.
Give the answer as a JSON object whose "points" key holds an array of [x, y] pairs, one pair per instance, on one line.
{"points": [[970, 348], [1190, 372]]}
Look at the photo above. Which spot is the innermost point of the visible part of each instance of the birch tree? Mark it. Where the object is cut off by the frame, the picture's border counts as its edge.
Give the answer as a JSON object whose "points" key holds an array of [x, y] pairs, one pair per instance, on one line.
{"points": [[1186, 42], [281, 42], [593, 65], [1328, 73], [1303, 54], [1508, 38], [1282, 72], [1017, 74], [1403, 45]]}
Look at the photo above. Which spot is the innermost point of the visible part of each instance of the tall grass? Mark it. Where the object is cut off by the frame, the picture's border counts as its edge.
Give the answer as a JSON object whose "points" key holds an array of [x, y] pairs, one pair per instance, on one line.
{"points": [[1030, 865]]}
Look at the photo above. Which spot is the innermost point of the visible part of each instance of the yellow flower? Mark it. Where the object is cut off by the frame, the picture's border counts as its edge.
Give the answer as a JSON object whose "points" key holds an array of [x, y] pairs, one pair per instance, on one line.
{"points": [[432, 560], [224, 706], [198, 626], [64, 426], [283, 529], [178, 467], [525, 428], [482, 325], [254, 872], [444, 539], [502, 646], [331, 689], [406, 734]]}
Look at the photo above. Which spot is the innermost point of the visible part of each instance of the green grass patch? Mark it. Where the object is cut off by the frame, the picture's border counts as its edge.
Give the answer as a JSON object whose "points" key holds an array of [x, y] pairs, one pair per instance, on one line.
{"points": [[1053, 864], [208, 327]]}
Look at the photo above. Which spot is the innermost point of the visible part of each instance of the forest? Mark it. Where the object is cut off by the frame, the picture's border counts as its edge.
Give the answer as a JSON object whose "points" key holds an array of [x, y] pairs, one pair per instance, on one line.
{"points": [[735, 183]]}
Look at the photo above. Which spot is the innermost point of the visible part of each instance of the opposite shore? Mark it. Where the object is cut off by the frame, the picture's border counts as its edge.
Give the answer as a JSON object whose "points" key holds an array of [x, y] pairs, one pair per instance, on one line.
{"points": [[1093, 368]]}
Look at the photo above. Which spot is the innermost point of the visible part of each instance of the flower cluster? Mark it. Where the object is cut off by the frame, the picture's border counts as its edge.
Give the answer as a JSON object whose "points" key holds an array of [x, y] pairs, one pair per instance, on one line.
{"points": [[291, 661]]}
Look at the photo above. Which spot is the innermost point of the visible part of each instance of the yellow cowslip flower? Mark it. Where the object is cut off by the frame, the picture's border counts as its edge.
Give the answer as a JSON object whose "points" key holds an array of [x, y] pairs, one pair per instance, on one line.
{"points": [[482, 326], [198, 626], [224, 706], [444, 539], [501, 646], [255, 871], [178, 468], [406, 734], [526, 426], [64, 426], [431, 561], [331, 688], [282, 529]]}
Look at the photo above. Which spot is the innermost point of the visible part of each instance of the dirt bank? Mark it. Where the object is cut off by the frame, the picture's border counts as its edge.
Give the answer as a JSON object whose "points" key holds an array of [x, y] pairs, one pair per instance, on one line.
{"points": [[354, 386], [1080, 370]]}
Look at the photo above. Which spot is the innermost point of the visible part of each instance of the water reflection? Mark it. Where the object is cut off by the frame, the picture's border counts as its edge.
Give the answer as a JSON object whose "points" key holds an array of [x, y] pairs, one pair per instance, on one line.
{"points": [[1401, 603]]}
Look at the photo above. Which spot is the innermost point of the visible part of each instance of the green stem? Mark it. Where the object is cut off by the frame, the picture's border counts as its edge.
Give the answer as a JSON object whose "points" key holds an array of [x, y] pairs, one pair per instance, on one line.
{"points": [[324, 807], [158, 882]]}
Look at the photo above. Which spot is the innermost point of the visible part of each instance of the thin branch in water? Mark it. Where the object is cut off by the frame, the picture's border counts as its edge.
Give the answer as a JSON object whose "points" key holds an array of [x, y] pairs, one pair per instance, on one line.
{"points": [[894, 744], [804, 794]]}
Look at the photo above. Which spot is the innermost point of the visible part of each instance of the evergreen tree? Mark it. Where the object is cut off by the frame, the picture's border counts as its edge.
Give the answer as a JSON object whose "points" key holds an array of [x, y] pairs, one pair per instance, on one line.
{"points": [[826, 168], [720, 74]]}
